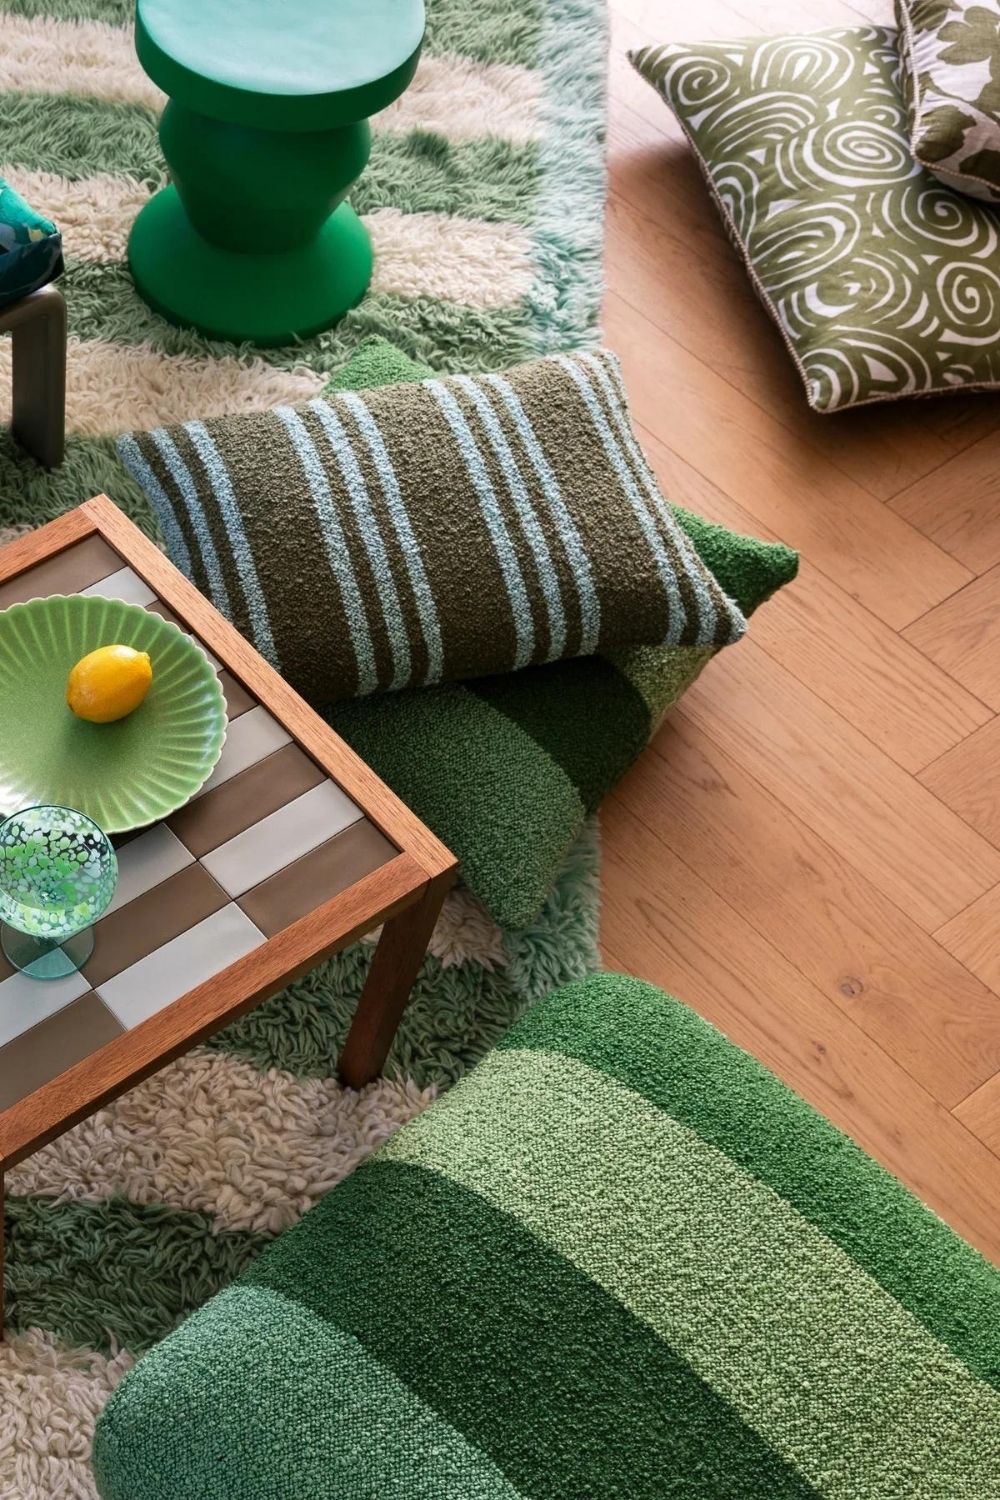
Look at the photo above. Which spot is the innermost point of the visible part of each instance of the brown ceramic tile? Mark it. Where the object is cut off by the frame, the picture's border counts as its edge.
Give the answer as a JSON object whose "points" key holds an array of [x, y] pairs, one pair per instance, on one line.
{"points": [[6, 969], [135, 930], [240, 803], [48, 1049], [67, 573], [166, 613], [317, 877], [238, 700]]}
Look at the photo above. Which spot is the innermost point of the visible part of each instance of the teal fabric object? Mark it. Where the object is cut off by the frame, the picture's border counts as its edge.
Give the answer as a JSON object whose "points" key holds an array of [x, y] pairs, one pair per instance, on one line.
{"points": [[620, 1259], [30, 247]]}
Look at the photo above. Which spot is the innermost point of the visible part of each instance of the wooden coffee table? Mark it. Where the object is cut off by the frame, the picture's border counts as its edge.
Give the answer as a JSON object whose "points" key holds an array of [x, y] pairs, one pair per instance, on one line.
{"points": [[292, 850]]}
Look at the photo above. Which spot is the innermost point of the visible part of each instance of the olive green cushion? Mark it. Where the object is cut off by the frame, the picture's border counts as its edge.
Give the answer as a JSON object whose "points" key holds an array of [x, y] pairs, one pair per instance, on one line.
{"points": [[950, 55], [433, 530], [882, 282], [619, 1259]]}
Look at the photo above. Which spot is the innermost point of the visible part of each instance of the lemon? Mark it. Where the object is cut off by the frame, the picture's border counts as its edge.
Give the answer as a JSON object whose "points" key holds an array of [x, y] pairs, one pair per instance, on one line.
{"points": [[109, 683]]}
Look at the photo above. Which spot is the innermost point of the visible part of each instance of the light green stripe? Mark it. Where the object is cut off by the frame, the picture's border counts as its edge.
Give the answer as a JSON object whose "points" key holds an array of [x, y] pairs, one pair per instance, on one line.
{"points": [[102, 303], [811, 1352], [360, 1418], [489, 178]]}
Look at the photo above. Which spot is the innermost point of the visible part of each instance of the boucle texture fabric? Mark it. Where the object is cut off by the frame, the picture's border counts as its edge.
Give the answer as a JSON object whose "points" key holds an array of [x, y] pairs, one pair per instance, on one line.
{"points": [[950, 56], [619, 1259], [882, 282], [434, 530]]}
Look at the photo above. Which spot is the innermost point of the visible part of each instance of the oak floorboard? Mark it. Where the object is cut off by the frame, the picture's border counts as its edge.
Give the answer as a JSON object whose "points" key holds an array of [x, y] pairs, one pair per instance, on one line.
{"points": [[958, 505], [890, 976], [879, 682], [962, 634], [784, 856], [967, 779], [680, 935]]}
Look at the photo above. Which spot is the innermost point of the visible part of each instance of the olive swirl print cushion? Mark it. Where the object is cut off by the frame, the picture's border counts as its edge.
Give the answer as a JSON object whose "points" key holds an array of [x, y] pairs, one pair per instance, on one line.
{"points": [[950, 51], [883, 283]]}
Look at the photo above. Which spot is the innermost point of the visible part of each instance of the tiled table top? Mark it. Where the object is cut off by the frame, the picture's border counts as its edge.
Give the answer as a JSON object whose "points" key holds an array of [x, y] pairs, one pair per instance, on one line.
{"points": [[269, 838]]}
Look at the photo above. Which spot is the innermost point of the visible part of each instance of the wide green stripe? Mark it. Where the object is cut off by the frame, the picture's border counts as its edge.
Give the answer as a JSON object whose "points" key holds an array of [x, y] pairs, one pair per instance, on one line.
{"points": [[488, 179], [486, 31], [79, 137], [350, 1415], [103, 304], [98, 1274], [814, 1354], [32, 495], [667, 1053], [461, 765], [747, 569], [659, 675], [590, 691], [514, 1347]]}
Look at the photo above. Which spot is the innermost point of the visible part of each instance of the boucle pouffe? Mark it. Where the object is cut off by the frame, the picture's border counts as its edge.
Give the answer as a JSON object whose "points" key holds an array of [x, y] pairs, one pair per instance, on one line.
{"points": [[619, 1259]]}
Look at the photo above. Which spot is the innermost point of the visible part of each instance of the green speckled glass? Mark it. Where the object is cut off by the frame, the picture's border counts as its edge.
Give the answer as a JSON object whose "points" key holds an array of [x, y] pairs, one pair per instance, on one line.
{"points": [[58, 873]]}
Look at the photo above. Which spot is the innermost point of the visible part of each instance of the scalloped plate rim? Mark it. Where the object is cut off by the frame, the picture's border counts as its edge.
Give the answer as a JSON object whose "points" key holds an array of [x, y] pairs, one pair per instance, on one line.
{"points": [[38, 605]]}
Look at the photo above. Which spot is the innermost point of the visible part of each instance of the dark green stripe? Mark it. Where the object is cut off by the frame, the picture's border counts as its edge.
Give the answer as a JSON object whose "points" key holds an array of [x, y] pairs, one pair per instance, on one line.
{"points": [[78, 137], [487, 178], [103, 304], [601, 726], [115, 1272], [665, 1052], [747, 569], [516, 1348], [462, 766], [32, 495]]}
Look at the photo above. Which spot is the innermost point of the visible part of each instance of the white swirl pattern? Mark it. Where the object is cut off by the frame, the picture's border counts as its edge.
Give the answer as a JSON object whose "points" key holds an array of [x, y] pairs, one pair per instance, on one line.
{"points": [[883, 283]]}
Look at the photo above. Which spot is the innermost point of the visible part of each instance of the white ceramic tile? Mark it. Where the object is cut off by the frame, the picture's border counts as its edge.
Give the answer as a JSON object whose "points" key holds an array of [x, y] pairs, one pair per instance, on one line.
{"points": [[250, 738], [188, 960], [24, 1002], [147, 861], [280, 838], [123, 585]]}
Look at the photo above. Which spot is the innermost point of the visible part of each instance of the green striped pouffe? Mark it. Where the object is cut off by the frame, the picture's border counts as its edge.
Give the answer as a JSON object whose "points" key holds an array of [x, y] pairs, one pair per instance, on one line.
{"points": [[619, 1259]]}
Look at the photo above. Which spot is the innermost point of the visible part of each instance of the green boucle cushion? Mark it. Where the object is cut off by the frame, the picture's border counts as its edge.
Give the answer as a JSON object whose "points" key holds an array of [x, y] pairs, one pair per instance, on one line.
{"points": [[506, 768], [619, 1259], [882, 282]]}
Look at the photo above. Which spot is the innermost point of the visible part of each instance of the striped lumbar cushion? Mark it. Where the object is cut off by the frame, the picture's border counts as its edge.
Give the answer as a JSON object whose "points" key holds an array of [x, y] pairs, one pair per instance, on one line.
{"points": [[433, 531], [619, 1259]]}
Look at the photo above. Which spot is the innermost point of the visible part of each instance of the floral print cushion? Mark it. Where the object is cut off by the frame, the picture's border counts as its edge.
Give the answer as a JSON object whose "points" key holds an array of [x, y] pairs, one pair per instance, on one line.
{"points": [[30, 247], [950, 53]]}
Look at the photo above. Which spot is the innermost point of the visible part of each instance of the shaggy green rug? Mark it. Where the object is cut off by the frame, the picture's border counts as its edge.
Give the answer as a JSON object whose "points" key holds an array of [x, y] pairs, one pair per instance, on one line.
{"points": [[484, 197]]}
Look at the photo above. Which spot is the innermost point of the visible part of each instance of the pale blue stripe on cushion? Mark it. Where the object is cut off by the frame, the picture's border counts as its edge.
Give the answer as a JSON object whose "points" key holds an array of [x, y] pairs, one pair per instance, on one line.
{"points": [[357, 490], [678, 614], [131, 456], [524, 630], [576, 553], [336, 548], [529, 521], [188, 491], [615, 396], [218, 474], [422, 594]]}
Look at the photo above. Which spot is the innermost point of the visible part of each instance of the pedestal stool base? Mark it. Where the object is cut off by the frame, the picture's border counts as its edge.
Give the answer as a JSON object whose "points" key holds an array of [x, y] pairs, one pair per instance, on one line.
{"points": [[260, 299]]}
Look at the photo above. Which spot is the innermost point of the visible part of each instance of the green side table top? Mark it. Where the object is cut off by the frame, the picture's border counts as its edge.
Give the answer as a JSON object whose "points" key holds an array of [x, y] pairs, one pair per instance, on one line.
{"points": [[293, 65]]}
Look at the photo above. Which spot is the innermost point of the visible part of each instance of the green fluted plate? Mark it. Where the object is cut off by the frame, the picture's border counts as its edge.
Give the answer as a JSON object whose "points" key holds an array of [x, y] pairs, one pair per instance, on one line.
{"points": [[123, 775]]}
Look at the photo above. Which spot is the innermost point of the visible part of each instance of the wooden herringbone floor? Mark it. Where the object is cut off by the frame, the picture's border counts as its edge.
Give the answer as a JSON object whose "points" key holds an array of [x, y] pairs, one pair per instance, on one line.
{"points": [[809, 852]]}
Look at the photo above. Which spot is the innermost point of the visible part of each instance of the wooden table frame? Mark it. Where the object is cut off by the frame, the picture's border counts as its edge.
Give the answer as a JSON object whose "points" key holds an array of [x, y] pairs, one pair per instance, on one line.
{"points": [[405, 894]]}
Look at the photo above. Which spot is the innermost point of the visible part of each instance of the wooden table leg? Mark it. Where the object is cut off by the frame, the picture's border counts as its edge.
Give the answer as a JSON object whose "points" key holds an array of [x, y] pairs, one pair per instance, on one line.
{"points": [[399, 954]]}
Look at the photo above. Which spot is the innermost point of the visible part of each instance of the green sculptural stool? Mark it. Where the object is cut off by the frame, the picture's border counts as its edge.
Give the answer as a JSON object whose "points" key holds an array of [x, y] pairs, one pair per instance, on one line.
{"points": [[265, 131]]}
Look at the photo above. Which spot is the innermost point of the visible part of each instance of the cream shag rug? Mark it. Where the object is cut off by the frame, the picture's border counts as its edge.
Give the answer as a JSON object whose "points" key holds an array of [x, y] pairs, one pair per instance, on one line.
{"points": [[484, 197]]}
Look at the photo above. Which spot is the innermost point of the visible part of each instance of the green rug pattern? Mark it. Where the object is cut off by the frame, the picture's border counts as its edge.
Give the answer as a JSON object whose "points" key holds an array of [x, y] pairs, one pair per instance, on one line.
{"points": [[484, 198]]}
